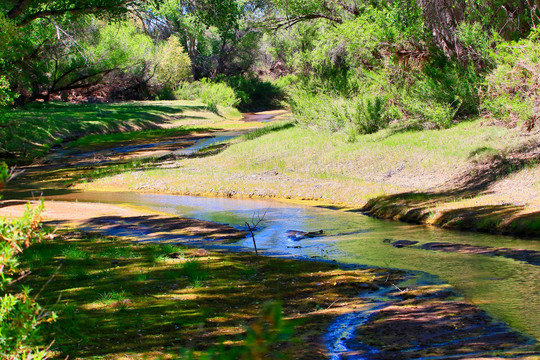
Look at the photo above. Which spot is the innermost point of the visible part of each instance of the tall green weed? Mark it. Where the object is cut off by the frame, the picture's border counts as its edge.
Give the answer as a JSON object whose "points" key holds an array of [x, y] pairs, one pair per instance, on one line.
{"points": [[20, 315]]}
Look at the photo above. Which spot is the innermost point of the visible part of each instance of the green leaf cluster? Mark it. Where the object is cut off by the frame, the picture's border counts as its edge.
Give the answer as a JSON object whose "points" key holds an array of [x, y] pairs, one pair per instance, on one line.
{"points": [[20, 315]]}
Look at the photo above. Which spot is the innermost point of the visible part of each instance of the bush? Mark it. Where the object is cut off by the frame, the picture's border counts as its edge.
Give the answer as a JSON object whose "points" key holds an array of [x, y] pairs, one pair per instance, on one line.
{"points": [[364, 115], [212, 94], [370, 115], [511, 90], [253, 93], [174, 64], [20, 315]]}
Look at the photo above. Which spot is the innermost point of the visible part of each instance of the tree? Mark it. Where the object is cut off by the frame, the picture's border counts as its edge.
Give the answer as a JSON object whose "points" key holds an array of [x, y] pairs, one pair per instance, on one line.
{"points": [[173, 64], [22, 12]]}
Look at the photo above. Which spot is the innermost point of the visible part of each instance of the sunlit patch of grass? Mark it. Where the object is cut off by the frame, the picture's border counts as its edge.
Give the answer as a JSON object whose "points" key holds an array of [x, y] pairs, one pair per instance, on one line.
{"points": [[112, 296], [74, 253]]}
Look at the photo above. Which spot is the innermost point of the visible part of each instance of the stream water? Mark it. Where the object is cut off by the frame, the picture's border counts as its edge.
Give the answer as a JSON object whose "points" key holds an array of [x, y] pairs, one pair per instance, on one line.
{"points": [[507, 288]]}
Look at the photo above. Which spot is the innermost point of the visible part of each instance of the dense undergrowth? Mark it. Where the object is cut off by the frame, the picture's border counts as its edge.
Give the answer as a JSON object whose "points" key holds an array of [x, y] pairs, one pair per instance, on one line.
{"points": [[435, 94]]}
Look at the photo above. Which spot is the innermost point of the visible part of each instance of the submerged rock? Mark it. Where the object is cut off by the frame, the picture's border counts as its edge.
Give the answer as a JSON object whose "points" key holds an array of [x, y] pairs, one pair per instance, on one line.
{"points": [[299, 235], [401, 243]]}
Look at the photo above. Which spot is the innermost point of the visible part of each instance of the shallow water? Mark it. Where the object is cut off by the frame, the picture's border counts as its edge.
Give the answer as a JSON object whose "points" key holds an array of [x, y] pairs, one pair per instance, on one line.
{"points": [[508, 289]]}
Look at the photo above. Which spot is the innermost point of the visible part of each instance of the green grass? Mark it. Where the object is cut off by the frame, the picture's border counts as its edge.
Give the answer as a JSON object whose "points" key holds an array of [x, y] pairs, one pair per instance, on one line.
{"points": [[349, 172], [126, 305], [29, 132]]}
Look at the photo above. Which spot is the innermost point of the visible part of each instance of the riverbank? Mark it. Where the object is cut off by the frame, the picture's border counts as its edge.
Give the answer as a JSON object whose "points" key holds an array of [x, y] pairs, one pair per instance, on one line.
{"points": [[28, 133], [120, 298], [472, 176]]}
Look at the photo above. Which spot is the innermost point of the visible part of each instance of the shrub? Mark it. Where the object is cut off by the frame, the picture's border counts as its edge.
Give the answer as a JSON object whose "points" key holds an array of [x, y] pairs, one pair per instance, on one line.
{"points": [[20, 315], [254, 93], [370, 115], [511, 92], [212, 94], [174, 64]]}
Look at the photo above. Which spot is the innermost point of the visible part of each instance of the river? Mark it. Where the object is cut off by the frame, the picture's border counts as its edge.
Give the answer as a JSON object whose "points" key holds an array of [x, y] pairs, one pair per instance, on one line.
{"points": [[506, 288]]}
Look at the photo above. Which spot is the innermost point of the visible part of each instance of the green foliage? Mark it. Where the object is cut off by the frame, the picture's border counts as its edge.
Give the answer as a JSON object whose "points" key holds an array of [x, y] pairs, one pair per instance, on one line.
{"points": [[28, 11], [254, 93], [174, 64], [511, 91], [20, 315], [6, 96], [210, 93], [119, 45]]}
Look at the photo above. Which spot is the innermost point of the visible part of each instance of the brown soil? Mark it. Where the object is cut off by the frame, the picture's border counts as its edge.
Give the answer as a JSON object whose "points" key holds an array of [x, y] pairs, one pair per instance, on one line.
{"points": [[463, 203]]}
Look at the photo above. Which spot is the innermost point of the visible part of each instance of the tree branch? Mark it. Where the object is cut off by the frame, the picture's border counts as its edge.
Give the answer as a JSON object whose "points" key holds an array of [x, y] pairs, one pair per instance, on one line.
{"points": [[22, 5]]}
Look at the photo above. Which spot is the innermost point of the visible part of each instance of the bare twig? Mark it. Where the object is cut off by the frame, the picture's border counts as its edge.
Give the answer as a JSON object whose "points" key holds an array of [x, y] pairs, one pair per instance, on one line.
{"points": [[332, 304], [251, 227], [13, 172]]}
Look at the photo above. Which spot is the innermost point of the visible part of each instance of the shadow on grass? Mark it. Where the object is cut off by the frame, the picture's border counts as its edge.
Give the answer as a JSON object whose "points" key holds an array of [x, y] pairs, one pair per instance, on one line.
{"points": [[417, 207], [166, 228], [27, 133], [141, 151], [129, 299], [122, 298]]}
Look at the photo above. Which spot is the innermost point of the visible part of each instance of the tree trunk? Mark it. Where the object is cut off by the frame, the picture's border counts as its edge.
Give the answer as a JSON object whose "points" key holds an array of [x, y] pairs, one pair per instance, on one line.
{"points": [[442, 18]]}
